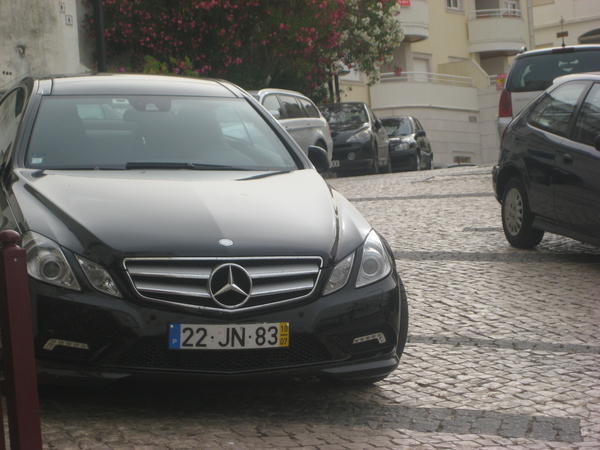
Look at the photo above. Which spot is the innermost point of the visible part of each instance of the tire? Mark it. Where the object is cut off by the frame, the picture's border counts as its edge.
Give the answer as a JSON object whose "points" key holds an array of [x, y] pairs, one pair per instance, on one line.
{"points": [[388, 167], [417, 163], [375, 167], [517, 216]]}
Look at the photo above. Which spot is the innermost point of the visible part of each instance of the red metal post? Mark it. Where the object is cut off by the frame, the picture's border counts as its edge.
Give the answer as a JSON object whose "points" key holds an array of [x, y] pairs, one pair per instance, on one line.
{"points": [[18, 358]]}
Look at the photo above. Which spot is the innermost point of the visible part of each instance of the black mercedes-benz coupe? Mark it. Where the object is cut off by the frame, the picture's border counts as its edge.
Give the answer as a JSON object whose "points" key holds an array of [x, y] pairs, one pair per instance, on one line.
{"points": [[173, 228]]}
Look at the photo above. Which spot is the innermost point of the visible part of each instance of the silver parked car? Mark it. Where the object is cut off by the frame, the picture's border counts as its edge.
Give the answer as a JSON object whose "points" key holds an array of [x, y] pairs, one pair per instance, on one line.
{"points": [[299, 116]]}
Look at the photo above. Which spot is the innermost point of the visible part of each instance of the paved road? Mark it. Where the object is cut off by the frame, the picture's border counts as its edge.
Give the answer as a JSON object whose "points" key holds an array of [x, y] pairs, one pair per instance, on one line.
{"points": [[503, 353]]}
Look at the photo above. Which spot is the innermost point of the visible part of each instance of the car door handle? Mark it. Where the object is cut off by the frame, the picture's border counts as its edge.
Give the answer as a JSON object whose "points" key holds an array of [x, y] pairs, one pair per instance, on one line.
{"points": [[568, 159]]}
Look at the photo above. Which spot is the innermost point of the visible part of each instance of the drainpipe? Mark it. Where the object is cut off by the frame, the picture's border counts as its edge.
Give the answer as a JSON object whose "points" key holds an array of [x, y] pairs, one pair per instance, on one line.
{"points": [[530, 25], [99, 33]]}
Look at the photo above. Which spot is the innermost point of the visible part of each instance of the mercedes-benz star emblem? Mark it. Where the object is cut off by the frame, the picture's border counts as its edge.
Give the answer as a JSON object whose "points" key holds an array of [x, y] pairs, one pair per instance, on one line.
{"points": [[230, 286]]}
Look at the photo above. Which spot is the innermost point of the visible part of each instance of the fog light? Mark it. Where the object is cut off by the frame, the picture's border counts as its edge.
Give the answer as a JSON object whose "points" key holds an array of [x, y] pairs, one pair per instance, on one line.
{"points": [[380, 337], [56, 342]]}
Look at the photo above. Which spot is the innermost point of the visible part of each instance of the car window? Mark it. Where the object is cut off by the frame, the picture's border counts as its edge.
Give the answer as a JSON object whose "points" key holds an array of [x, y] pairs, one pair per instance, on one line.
{"points": [[309, 107], [345, 113], [185, 130], [418, 125], [271, 103], [553, 113], [397, 127], [11, 111], [292, 107], [587, 127], [536, 73]]}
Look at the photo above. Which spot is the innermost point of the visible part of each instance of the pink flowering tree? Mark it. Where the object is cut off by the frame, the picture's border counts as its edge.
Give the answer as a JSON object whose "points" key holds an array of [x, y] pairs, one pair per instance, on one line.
{"points": [[291, 44]]}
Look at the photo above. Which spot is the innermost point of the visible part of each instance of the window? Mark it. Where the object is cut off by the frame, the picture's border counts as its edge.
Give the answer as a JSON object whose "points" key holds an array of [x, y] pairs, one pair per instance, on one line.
{"points": [[553, 113], [161, 131], [453, 4], [309, 107], [10, 116], [291, 106], [271, 103], [462, 160], [587, 126]]}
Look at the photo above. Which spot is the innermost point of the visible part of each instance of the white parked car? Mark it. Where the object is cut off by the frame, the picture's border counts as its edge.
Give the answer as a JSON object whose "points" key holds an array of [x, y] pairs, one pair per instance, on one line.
{"points": [[299, 116], [533, 72]]}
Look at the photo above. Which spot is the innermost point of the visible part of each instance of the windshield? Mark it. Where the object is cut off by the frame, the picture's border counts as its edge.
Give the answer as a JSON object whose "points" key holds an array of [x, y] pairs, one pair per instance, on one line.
{"points": [[344, 114], [536, 73], [397, 127], [109, 132]]}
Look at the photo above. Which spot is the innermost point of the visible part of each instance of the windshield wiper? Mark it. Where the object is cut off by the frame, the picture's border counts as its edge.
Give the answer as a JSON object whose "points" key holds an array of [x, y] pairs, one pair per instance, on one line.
{"points": [[265, 175], [173, 165]]}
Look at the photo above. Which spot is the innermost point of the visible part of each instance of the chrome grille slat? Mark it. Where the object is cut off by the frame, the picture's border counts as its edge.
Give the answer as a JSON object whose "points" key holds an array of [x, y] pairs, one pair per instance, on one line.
{"points": [[279, 288], [178, 290], [268, 272], [184, 272], [184, 281]]}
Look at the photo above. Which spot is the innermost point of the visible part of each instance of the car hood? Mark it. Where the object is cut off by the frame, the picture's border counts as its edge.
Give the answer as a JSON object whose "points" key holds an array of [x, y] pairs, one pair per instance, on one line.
{"points": [[341, 132], [109, 215]]}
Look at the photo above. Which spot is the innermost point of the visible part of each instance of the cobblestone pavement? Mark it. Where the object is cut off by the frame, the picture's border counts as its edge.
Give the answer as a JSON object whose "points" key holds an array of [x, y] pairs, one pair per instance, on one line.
{"points": [[503, 352]]}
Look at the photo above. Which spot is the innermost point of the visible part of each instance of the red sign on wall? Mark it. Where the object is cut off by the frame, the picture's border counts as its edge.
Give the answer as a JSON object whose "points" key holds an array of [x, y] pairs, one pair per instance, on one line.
{"points": [[404, 2]]}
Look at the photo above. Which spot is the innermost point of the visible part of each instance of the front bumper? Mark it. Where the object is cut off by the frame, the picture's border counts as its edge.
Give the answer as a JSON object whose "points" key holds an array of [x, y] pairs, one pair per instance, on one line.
{"points": [[403, 157], [128, 338], [355, 156]]}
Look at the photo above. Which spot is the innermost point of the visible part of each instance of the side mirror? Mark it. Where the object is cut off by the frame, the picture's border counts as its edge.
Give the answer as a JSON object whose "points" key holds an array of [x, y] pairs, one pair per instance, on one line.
{"points": [[275, 114], [597, 142], [420, 133], [378, 124], [318, 158]]}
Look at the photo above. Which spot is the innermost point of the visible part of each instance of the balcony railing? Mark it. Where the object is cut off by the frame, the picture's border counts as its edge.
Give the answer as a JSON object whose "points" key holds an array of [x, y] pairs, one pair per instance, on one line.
{"points": [[428, 77], [485, 13]]}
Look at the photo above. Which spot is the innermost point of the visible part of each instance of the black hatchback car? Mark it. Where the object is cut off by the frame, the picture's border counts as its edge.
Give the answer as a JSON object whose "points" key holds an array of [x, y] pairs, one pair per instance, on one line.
{"points": [[409, 145], [173, 228], [360, 141], [548, 176]]}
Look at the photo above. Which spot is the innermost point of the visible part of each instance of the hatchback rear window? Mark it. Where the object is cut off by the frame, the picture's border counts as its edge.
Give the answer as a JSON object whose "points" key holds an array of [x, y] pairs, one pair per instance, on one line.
{"points": [[536, 72]]}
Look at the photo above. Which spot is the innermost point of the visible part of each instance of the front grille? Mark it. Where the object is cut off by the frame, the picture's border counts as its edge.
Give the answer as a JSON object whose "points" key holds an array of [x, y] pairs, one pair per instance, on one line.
{"points": [[152, 353], [185, 281]]}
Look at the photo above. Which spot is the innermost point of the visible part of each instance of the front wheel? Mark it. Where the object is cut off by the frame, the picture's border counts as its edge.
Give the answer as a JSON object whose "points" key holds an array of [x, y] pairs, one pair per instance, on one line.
{"points": [[375, 167], [417, 162], [517, 216]]}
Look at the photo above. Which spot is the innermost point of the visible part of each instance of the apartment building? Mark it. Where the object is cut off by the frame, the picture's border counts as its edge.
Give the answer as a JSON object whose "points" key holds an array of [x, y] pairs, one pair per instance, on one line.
{"points": [[453, 58]]}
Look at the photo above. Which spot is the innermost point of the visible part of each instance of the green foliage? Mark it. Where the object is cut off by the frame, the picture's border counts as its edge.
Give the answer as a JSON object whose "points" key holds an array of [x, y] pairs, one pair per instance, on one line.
{"points": [[294, 44]]}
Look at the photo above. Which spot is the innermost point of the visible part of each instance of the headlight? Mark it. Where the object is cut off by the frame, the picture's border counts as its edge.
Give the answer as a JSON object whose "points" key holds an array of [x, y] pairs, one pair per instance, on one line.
{"points": [[340, 274], [403, 145], [375, 264], [46, 261], [99, 277], [363, 135]]}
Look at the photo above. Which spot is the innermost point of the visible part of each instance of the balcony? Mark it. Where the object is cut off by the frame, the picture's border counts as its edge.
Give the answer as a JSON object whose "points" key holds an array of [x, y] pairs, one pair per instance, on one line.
{"points": [[415, 20], [496, 32], [421, 89]]}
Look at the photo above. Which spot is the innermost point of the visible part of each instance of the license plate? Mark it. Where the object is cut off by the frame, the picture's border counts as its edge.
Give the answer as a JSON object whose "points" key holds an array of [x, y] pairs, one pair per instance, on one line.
{"points": [[335, 163], [229, 337]]}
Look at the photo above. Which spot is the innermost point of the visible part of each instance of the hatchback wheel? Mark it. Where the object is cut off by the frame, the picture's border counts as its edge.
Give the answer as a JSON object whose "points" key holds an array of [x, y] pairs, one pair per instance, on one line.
{"points": [[417, 162], [517, 216]]}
